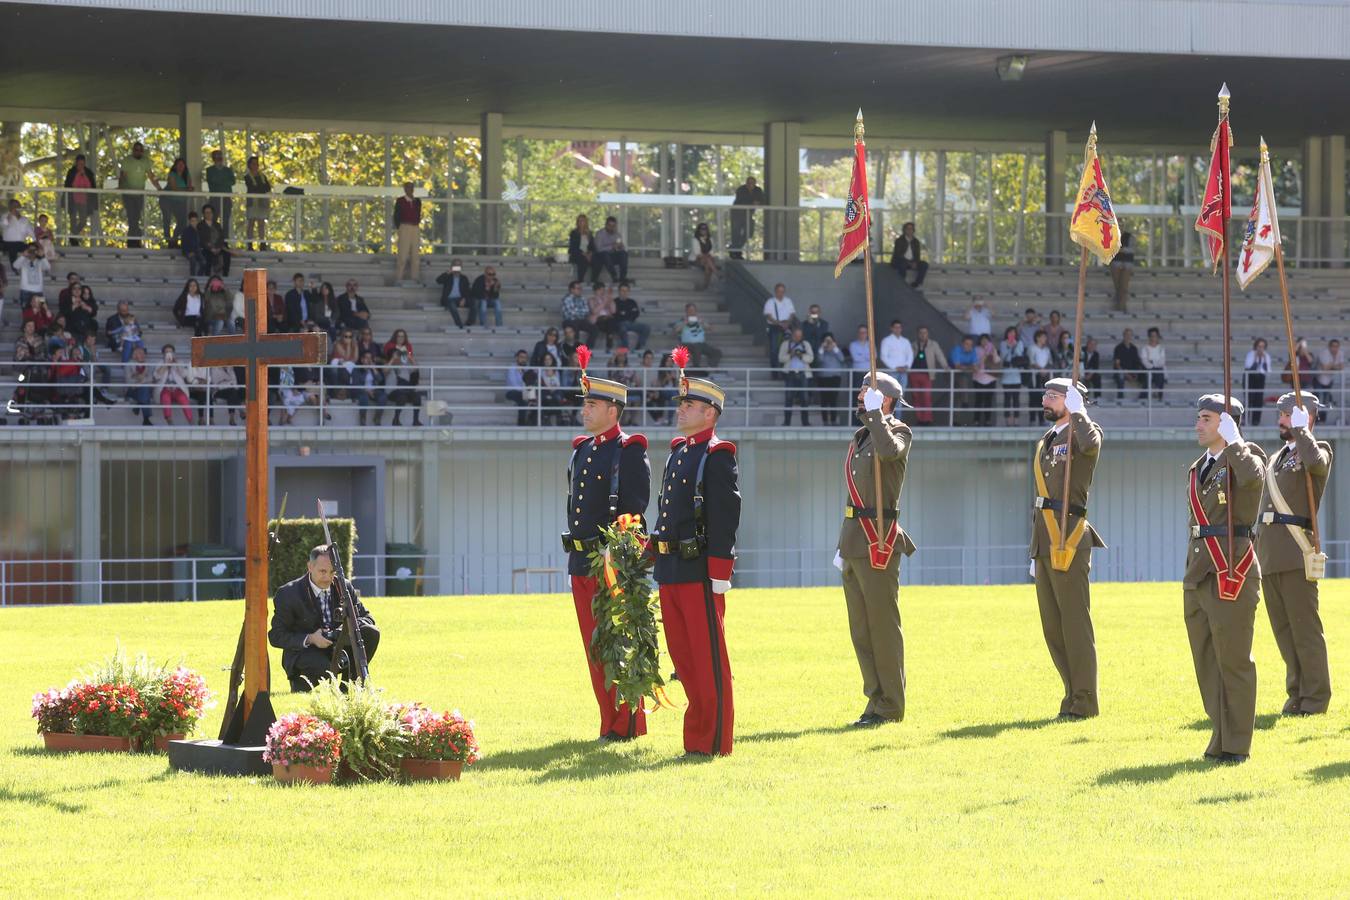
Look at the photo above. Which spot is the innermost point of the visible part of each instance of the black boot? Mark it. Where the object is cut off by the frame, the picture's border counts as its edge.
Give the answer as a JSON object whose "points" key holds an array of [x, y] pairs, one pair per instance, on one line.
{"points": [[361, 417], [397, 413], [379, 416], [417, 417]]}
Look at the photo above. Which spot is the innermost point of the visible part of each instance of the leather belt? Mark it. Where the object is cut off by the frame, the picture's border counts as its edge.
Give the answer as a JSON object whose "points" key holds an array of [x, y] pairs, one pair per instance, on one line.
{"points": [[1274, 518], [579, 545], [866, 512], [1208, 531], [1056, 506]]}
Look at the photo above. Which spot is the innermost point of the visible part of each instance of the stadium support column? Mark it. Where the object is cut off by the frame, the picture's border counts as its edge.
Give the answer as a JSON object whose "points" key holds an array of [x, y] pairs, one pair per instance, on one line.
{"points": [[782, 187], [190, 143], [490, 179], [88, 533], [1333, 155], [1056, 154], [1309, 245]]}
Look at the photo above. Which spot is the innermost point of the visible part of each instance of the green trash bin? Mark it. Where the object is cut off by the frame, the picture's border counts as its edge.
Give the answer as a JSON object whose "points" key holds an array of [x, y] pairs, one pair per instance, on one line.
{"points": [[216, 578], [404, 565]]}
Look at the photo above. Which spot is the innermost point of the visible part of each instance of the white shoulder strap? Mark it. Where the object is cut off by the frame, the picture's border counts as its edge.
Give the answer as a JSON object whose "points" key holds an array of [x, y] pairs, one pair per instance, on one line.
{"points": [[1282, 507]]}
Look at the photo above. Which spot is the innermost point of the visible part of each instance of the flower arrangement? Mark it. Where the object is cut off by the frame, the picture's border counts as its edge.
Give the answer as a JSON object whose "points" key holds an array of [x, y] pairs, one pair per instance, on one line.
{"points": [[300, 739], [54, 710], [373, 740], [114, 710], [438, 736], [175, 703]]}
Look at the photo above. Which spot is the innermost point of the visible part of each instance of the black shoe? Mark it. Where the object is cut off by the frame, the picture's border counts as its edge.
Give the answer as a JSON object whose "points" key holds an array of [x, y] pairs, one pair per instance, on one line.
{"points": [[1213, 757], [1070, 717], [614, 737], [696, 754], [868, 720], [1232, 759]]}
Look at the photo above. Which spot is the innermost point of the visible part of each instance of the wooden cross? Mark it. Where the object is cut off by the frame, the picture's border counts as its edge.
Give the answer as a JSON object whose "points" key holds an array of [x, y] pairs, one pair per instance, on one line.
{"points": [[255, 350]]}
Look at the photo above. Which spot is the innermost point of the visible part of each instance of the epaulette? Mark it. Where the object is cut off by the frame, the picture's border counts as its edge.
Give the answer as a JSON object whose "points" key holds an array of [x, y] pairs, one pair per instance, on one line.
{"points": [[579, 440], [629, 440], [676, 442], [718, 444]]}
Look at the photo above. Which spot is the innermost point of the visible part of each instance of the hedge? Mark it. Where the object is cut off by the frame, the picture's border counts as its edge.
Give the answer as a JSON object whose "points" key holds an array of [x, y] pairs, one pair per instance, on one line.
{"points": [[298, 537]]}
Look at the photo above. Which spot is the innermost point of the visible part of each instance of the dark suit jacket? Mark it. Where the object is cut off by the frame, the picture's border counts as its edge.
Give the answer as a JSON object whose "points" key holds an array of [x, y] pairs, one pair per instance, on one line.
{"points": [[293, 318], [296, 615], [347, 309], [902, 247], [574, 247]]}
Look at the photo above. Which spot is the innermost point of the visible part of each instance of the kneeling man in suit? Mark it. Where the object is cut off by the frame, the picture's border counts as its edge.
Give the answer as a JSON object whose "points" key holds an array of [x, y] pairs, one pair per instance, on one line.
{"points": [[307, 618]]}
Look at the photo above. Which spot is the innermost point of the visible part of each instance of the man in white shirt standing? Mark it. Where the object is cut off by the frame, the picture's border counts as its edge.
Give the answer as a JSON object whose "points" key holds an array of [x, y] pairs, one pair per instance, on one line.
{"points": [[897, 353], [15, 231], [1154, 357], [980, 320], [32, 266], [860, 356], [780, 317]]}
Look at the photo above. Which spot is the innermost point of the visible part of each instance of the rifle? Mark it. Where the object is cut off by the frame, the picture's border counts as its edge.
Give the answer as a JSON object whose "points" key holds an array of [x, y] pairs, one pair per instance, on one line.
{"points": [[351, 629]]}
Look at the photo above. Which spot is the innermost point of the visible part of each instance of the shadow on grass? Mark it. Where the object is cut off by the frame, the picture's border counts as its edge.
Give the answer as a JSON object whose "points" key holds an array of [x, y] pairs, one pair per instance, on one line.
{"points": [[770, 736], [1153, 773], [51, 799], [1237, 797], [994, 729], [536, 758], [1264, 722], [1330, 772]]}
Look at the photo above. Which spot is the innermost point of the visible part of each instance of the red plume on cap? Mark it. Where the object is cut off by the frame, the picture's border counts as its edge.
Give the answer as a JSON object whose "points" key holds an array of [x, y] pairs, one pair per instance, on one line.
{"points": [[583, 356], [680, 356]]}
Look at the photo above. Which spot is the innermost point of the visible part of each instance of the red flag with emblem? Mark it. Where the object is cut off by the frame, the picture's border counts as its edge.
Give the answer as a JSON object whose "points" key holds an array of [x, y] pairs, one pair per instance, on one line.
{"points": [[1217, 207], [857, 214]]}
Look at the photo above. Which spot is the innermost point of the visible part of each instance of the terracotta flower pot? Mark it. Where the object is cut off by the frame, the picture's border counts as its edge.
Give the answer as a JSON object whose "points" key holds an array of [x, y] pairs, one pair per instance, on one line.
{"points": [[162, 741], [309, 774], [430, 769], [85, 743]]}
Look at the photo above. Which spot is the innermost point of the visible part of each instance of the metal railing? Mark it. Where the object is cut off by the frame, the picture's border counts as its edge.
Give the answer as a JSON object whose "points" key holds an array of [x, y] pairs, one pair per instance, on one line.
{"points": [[35, 394], [352, 222]]}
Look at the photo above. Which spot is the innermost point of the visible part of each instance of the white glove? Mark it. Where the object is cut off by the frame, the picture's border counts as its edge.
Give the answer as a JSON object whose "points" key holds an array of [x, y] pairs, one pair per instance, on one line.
{"points": [[1031, 570], [1228, 429], [720, 587], [838, 561], [1073, 401], [872, 400], [1298, 417]]}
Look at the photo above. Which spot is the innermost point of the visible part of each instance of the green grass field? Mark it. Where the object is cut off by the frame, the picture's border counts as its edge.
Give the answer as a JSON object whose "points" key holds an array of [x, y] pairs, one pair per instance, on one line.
{"points": [[976, 792]]}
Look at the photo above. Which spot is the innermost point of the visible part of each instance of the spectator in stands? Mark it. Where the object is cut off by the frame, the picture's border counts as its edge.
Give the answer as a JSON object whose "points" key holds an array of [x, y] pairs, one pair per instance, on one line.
{"points": [[979, 319], [1127, 364], [1307, 363], [626, 312], [815, 327], [568, 345], [907, 256], [367, 380], [352, 310], [1122, 267], [581, 250], [831, 366], [749, 194], [113, 326], [293, 395], [276, 308], [128, 337], [57, 334], [136, 170], [965, 360], [796, 356], [79, 205], [324, 310], [70, 378], [621, 370], [655, 402], [610, 252], [365, 343], [1054, 328], [694, 335], [172, 382], [38, 314], [342, 360], [701, 255], [32, 267], [457, 293], [82, 319], [174, 210], [140, 385], [31, 345], [16, 232], [211, 235], [487, 291], [1153, 356], [407, 225], [1013, 364], [1061, 354], [220, 182], [518, 382], [896, 353], [985, 380], [1255, 370], [550, 393], [860, 356], [1038, 354], [1027, 328], [256, 208], [89, 354], [45, 238], [1091, 363], [189, 241], [576, 313], [187, 309], [603, 314], [1330, 361], [66, 298], [224, 391], [549, 343], [298, 301], [928, 361], [780, 317], [403, 367]]}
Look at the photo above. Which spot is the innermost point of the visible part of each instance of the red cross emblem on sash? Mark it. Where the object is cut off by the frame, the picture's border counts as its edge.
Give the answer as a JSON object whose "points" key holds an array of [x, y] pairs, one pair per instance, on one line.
{"points": [[879, 550], [1230, 580]]}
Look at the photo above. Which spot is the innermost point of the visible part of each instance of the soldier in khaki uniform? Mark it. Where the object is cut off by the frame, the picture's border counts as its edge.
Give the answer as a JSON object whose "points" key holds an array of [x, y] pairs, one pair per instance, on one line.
{"points": [[1290, 566], [1062, 590], [868, 558], [1221, 594]]}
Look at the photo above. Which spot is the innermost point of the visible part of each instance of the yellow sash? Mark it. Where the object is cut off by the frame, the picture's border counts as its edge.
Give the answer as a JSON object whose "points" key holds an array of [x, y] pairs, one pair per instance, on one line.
{"points": [[1060, 560]]}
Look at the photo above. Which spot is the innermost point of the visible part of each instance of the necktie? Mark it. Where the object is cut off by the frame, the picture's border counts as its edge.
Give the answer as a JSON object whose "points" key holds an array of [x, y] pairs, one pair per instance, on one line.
{"points": [[1204, 470]]}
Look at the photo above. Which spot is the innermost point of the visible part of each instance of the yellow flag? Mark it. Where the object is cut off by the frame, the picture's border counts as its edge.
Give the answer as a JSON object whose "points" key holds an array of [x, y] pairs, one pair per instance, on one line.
{"points": [[1093, 225]]}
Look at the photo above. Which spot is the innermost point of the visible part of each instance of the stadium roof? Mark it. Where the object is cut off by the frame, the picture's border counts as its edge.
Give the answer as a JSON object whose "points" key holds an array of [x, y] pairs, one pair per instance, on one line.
{"points": [[1146, 71]]}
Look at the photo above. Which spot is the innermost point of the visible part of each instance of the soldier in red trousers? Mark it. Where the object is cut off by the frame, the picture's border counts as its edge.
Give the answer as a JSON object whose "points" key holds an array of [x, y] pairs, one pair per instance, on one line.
{"points": [[608, 476], [694, 536]]}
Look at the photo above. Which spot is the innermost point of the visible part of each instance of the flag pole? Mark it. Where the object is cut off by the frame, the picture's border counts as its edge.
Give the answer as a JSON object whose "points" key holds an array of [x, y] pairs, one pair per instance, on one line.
{"points": [[1077, 355], [872, 339], [1224, 213], [1289, 336]]}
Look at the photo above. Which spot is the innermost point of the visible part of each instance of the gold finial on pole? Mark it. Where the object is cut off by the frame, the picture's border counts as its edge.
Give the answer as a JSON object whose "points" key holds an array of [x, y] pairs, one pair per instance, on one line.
{"points": [[1224, 97], [1265, 151], [858, 127], [1091, 147]]}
